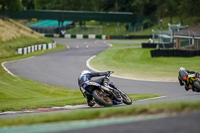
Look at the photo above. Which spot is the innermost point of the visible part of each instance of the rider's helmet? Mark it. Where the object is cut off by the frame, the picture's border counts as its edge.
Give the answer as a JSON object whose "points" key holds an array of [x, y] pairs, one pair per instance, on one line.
{"points": [[182, 69], [84, 72]]}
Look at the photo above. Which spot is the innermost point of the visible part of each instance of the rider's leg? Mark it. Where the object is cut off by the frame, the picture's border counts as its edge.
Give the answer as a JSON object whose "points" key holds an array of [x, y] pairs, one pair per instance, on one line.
{"points": [[83, 91], [180, 82], [88, 97], [90, 100]]}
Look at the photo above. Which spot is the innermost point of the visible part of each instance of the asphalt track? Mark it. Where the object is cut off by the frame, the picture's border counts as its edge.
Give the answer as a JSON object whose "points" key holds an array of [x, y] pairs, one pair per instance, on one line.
{"points": [[185, 123], [63, 68], [165, 123]]}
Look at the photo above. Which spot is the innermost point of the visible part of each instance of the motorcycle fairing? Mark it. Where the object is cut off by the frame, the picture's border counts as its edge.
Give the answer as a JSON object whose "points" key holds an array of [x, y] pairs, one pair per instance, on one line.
{"points": [[111, 83], [90, 83], [115, 102]]}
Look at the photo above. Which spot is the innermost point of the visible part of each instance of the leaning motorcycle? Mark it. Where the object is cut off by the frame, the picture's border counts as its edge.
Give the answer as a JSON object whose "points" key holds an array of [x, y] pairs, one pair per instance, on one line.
{"points": [[189, 80], [106, 93]]}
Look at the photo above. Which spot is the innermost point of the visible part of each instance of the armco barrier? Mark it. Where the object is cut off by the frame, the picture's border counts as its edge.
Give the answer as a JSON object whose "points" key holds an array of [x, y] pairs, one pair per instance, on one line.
{"points": [[175, 53], [34, 48], [154, 45]]}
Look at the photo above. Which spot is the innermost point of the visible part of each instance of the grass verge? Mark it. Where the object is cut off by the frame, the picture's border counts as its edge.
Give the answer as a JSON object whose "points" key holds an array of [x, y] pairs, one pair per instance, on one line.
{"points": [[99, 113], [18, 93], [138, 63]]}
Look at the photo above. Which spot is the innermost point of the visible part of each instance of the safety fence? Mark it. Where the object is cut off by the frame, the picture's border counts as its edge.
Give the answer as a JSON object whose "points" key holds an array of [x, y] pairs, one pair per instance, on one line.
{"points": [[33, 48]]}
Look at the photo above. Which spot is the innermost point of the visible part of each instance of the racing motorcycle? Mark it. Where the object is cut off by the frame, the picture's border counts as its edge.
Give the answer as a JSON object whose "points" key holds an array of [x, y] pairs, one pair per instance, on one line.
{"points": [[190, 79], [105, 93]]}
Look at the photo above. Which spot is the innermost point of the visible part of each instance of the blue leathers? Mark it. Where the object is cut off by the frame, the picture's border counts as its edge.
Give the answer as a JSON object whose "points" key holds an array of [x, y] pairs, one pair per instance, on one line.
{"points": [[87, 76]]}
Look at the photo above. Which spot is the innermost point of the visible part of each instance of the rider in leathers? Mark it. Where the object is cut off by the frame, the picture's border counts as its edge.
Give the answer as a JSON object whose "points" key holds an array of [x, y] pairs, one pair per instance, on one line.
{"points": [[87, 76]]}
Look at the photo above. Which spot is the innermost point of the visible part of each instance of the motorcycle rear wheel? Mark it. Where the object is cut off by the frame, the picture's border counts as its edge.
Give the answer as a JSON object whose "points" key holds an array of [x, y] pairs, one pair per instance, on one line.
{"points": [[126, 99], [197, 86], [101, 99]]}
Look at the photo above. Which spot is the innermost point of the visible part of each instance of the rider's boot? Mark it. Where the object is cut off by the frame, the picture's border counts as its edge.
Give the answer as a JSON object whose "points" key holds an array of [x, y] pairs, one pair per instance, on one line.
{"points": [[91, 103], [187, 87]]}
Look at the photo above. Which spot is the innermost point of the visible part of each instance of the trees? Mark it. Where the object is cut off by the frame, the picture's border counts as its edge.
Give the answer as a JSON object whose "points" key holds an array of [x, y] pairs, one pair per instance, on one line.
{"points": [[28, 4], [12, 5], [159, 8]]}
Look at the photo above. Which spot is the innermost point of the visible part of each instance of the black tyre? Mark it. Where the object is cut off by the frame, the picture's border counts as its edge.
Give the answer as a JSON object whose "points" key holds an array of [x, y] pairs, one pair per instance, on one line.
{"points": [[101, 99], [126, 99], [197, 86]]}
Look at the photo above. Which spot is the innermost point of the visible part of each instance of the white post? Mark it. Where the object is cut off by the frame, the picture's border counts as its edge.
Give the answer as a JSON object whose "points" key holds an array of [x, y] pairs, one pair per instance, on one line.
{"points": [[19, 50], [68, 36], [91, 36], [50, 46], [25, 50], [29, 49], [44, 46], [33, 48], [103, 37], [39, 47], [79, 36], [36, 47]]}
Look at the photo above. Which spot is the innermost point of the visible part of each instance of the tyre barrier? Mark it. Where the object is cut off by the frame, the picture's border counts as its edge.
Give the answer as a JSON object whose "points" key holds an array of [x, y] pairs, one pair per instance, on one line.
{"points": [[77, 36], [33, 48], [93, 36], [175, 53], [157, 45], [130, 36]]}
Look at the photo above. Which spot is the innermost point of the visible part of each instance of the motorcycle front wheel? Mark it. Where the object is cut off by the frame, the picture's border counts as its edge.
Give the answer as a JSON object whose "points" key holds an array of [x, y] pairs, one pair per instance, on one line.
{"points": [[126, 99], [101, 98]]}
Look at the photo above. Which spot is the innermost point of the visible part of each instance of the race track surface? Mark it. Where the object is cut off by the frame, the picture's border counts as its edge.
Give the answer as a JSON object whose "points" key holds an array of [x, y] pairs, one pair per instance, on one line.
{"points": [[185, 123], [63, 69]]}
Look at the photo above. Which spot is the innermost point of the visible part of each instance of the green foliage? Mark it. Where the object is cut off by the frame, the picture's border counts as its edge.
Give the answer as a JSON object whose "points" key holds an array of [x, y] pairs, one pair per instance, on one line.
{"points": [[28, 4], [83, 5], [147, 23], [12, 5]]}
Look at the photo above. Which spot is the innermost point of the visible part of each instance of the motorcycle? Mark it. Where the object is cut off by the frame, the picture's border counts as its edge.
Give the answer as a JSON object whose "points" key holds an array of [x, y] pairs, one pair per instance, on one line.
{"points": [[190, 79], [105, 93]]}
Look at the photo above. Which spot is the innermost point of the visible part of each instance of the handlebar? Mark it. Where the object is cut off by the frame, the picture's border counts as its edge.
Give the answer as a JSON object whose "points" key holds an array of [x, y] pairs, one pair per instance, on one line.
{"points": [[110, 72]]}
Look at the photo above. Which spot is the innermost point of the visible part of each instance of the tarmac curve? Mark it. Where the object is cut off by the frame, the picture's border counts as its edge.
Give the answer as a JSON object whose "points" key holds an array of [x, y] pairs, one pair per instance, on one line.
{"points": [[63, 69]]}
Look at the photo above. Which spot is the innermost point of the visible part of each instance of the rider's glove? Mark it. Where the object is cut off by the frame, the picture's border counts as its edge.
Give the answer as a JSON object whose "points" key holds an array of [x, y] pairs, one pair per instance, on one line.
{"points": [[107, 73]]}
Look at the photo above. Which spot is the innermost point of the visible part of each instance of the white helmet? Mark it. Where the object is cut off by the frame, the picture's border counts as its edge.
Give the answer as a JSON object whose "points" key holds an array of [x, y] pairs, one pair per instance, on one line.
{"points": [[84, 72], [181, 68]]}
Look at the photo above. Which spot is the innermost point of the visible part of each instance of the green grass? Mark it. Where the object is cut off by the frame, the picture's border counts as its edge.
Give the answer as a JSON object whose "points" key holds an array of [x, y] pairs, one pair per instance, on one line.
{"points": [[9, 48], [18, 93], [138, 63], [99, 113]]}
